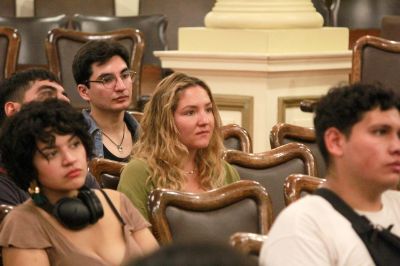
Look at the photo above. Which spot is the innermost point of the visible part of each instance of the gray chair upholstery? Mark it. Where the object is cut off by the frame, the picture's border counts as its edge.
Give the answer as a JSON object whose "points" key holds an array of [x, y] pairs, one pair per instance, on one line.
{"points": [[70, 7], [9, 47], [283, 133], [390, 28], [376, 60], [153, 28], [33, 32], [215, 215], [8, 8], [270, 168], [236, 138], [62, 45], [180, 13]]}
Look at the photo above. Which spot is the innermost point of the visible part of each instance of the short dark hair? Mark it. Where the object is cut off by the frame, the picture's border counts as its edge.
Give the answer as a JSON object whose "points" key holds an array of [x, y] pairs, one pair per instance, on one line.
{"points": [[15, 87], [38, 121], [98, 51], [344, 106], [197, 253]]}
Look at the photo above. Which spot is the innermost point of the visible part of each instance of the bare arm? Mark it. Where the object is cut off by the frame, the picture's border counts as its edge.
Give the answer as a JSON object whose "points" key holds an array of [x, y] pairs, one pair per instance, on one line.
{"points": [[145, 239], [18, 256]]}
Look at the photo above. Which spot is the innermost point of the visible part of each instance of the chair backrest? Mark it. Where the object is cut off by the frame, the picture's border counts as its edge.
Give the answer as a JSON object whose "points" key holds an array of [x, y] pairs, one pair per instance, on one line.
{"points": [[33, 32], [297, 184], [137, 115], [236, 138], [283, 133], [390, 28], [248, 243], [188, 13], [270, 168], [9, 47], [243, 206], [8, 8], [153, 28], [376, 60], [70, 7], [106, 172], [62, 45]]}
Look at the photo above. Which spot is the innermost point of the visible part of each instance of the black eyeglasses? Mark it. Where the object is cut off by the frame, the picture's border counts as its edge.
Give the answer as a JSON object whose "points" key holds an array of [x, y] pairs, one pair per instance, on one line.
{"points": [[109, 81]]}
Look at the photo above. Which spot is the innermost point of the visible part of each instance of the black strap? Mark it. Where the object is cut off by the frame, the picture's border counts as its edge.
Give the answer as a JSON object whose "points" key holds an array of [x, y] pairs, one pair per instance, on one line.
{"points": [[115, 211], [360, 223]]}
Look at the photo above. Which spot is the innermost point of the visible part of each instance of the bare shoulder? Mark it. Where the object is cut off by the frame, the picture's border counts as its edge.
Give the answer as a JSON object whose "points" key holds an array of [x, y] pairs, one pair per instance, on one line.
{"points": [[115, 196]]}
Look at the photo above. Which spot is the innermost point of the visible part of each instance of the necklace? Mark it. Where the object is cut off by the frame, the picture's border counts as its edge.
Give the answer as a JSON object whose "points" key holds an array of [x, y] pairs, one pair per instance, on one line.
{"points": [[119, 147], [190, 172]]}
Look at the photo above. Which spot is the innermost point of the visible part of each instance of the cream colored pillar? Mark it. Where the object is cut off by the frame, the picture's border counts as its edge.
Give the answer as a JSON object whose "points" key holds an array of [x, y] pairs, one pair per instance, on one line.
{"points": [[263, 14]]}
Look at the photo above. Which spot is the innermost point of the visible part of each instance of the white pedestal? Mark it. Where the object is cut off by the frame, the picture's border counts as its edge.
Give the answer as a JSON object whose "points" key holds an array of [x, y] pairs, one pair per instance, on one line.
{"points": [[258, 90]]}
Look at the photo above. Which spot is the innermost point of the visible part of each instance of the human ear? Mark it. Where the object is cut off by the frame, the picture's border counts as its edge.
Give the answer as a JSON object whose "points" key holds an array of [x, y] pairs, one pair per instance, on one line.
{"points": [[83, 92], [334, 141], [10, 108]]}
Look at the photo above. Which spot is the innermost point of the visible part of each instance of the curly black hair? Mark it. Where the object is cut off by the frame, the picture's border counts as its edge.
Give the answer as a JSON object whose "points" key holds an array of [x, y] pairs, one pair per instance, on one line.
{"points": [[38, 121], [344, 106]]}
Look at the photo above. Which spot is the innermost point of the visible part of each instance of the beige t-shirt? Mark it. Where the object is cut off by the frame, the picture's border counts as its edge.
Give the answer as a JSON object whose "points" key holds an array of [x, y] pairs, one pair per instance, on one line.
{"points": [[24, 227]]}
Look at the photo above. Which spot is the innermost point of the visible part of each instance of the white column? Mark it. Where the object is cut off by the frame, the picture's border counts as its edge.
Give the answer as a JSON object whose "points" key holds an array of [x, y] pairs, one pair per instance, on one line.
{"points": [[263, 14]]}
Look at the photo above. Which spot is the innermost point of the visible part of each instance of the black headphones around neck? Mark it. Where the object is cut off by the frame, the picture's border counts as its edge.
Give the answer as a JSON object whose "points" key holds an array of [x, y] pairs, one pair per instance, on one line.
{"points": [[75, 213]]}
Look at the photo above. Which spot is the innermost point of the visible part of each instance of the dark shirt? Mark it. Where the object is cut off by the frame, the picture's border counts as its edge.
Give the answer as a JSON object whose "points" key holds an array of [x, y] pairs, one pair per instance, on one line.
{"points": [[11, 194]]}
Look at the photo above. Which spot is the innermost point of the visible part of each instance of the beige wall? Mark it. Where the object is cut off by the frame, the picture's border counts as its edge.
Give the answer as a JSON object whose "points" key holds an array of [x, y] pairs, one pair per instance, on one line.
{"points": [[123, 7]]}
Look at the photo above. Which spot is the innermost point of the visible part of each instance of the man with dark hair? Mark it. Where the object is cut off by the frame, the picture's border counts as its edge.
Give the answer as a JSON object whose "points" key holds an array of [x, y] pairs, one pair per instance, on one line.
{"points": [[102, 71], [358, 133], [26, 86], [20, 88]]}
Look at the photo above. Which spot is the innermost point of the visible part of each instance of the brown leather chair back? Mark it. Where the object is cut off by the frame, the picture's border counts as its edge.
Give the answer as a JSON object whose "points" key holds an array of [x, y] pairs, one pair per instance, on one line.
{"points": [[376, 60], [70, 7], [33, 32], [62, 45], [270, 168], [236, 138], [153, 28], [283, 133], [106, 172], [9, 48], [297, 185], [215, 215]]}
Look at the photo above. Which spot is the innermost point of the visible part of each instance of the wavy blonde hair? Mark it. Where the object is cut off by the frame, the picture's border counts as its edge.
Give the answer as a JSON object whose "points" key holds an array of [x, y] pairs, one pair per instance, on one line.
{"points": [[159, 145]]}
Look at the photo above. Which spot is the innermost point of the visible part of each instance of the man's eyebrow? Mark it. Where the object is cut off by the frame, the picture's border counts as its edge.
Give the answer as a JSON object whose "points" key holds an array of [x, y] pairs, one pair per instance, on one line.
{"points": [[44, 87]]}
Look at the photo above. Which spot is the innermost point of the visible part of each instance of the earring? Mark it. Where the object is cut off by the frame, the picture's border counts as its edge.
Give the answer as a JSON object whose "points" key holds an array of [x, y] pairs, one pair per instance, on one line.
{"points": [[34, 191]]}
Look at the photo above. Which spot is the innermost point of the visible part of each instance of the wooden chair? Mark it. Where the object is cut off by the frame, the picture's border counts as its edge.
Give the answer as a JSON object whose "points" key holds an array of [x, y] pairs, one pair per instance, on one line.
{"points": [[270, 168], [236, 138], [70, 7], [296, 184], [376, 60], [33, 31], [283, 133], [62, 45], [10, 41], [248, 243], [243, 206], [107, 172]]}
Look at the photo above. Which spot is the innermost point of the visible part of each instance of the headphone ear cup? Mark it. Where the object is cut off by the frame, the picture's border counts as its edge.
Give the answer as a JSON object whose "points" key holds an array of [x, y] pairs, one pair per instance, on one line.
{"points": [[92, 202], [72, 213]]}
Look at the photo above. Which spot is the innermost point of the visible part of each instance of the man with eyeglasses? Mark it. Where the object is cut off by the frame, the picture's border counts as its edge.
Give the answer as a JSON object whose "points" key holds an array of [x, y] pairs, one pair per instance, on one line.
{"points": [[21, 88], [102, 71]]}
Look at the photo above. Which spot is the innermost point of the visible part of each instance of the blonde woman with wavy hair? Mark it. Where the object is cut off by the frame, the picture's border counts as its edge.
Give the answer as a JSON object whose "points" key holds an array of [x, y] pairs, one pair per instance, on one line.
{"points": [[180, 145]]}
